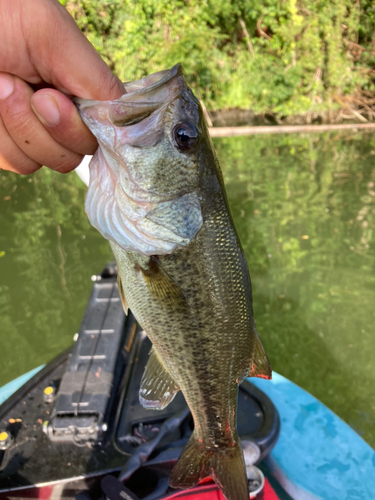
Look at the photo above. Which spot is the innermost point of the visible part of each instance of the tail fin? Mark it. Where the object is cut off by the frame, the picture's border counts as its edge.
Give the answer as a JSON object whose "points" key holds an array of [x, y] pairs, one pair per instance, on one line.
{"points": [[226, 466]]}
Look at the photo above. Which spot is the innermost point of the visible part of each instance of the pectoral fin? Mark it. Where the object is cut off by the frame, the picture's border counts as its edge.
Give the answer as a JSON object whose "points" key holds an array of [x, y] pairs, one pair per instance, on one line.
{"points": [[157, 386], [122, 296], [260, 366], [162, 286]]}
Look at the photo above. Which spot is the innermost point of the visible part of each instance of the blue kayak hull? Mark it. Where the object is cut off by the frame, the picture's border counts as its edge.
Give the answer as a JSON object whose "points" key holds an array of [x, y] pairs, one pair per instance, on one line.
{"points": [[317, 455], [7, 390]]}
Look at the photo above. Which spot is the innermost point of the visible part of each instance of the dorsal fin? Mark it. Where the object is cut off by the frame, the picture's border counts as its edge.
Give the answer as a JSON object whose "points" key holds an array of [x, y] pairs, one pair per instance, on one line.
{"points": [[259, 364], [158, 388]]}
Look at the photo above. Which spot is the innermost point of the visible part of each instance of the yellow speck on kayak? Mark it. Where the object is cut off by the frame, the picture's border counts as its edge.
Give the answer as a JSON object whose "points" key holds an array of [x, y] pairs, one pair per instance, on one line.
{"points": [[3, 436]]}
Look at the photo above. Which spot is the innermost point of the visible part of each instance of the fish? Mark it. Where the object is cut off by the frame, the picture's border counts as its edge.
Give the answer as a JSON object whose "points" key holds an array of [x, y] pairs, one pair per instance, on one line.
{"points": [[157, 194]]}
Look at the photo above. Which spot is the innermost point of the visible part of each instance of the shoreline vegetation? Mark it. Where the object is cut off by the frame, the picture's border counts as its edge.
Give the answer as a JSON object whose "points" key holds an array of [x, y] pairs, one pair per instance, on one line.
{"points": [[270, 61]]}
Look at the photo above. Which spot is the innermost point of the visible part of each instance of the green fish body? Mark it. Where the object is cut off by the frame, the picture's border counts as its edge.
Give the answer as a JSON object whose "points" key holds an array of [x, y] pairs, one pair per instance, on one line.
{"points": [[156, 182]]}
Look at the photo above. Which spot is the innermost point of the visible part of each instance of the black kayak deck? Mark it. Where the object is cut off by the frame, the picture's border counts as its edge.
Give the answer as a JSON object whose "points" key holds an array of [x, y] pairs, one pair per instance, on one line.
{"points": [[89, 421]]}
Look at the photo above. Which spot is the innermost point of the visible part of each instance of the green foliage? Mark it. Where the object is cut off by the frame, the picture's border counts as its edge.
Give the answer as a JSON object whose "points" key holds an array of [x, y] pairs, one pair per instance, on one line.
{"points": [[301, 57]]}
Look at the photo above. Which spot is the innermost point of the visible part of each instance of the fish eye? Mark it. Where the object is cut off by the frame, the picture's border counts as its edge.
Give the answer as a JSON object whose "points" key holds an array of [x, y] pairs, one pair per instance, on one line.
{"points": [[185, 136]]}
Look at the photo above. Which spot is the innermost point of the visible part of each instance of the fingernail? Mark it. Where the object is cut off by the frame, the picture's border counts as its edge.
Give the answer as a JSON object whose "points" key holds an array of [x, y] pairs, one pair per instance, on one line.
{"points": [[6, 85], [46, 109]]}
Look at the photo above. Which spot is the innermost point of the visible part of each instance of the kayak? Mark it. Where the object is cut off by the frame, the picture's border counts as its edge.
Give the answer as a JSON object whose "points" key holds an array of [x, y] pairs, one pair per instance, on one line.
{"points": [[74, 428]]}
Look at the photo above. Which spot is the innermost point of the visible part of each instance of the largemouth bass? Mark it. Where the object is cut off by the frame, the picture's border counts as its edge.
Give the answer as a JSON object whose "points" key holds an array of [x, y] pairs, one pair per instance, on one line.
{"points": [[156, 192]]}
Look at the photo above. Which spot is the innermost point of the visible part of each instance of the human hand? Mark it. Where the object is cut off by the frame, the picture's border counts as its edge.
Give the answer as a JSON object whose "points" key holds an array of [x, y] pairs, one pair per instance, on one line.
{"points": [[44, 60]]}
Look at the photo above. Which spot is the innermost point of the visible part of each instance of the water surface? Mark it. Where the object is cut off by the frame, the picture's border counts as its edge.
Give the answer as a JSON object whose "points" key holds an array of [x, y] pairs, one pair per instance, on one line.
{"points": [[304, 206]]}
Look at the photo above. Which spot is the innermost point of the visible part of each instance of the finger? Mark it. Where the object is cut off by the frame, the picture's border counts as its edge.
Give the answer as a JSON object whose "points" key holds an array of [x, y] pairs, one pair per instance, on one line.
{"points": [[27, 131], [63, 56], [11, 156], [61, 118]]}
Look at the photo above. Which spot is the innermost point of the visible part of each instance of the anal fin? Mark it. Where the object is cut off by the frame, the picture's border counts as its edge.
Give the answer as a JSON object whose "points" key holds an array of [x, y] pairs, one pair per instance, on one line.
{"points": [[158, 388], [122, 296], [260, 366]]}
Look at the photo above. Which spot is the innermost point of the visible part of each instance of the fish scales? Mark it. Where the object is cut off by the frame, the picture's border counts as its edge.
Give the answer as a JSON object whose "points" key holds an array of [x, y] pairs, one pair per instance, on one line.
{"points": [[182, 270], [206, 318]]}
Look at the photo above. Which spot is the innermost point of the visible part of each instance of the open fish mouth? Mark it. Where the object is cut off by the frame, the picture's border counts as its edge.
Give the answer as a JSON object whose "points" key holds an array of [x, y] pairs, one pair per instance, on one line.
{"points": [[139, 100], [143, 192]]}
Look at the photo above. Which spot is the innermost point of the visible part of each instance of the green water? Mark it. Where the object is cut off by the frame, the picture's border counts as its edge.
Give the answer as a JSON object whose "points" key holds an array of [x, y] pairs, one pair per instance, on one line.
{"points": [[304, 206]]}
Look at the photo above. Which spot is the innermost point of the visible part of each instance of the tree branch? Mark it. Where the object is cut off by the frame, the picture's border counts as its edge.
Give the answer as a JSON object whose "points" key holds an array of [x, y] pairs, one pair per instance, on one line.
{"points": [[247, 36], [261, 32]]}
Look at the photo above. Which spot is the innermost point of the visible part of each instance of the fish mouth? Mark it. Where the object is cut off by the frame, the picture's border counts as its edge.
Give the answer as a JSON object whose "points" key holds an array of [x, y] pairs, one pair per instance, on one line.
{"points": [[154, 81], [141, 98]]}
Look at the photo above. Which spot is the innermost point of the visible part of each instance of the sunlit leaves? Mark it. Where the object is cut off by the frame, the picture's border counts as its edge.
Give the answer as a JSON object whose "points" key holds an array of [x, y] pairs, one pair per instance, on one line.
{"points": [[301, 55]]}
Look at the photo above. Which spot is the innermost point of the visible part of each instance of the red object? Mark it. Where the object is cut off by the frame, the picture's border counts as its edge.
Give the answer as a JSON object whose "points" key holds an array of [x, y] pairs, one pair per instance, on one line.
{"points": [[211, 492]]}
